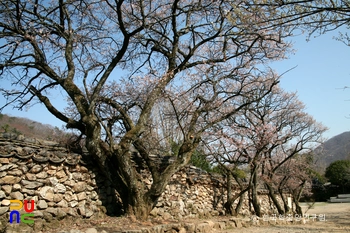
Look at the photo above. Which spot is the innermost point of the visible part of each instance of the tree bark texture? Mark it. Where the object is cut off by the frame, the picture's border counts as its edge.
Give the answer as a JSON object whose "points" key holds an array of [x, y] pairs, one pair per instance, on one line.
{"points": [[254, 193], [274, 199]]}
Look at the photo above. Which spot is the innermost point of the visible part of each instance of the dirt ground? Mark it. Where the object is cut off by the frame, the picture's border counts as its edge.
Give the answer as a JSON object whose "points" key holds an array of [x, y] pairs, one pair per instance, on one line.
{"points": [[331, 217]]}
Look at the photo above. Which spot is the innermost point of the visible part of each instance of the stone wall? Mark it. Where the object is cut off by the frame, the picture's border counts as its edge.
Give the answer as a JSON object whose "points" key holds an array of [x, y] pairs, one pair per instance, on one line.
{"points": [[60, 183], [63, 184], [193, 192]]}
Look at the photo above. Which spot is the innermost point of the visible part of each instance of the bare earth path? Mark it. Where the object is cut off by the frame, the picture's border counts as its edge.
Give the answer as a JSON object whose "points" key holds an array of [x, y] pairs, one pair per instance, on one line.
{"points": [[337, 219]]}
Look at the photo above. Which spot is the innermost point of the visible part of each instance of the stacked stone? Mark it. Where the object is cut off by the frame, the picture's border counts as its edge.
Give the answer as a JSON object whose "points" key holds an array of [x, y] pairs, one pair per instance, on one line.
{"points": [[57, 188], [195, 193], [192, 192], [62, 184]]}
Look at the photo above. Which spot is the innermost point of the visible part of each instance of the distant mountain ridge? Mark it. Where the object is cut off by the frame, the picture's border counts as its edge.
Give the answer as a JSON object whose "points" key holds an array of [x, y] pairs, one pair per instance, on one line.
{"points": [[30, 128], [336, 148]]}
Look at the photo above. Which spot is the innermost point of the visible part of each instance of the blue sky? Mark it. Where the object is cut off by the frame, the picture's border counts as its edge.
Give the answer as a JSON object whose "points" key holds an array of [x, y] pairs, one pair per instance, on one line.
{"points": [[319, 79], [321, 74]]}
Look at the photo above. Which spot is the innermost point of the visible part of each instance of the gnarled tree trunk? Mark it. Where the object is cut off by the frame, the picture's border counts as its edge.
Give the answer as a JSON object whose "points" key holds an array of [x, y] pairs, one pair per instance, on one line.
{"points": [[254, 193], [229, 205], [274, 198], [117, 166], [297, 196]]}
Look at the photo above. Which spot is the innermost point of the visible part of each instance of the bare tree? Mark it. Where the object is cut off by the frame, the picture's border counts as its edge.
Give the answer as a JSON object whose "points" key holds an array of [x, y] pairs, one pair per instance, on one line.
{"points": [[118, 62], [312, 16], [266, 136], [294, 179]]}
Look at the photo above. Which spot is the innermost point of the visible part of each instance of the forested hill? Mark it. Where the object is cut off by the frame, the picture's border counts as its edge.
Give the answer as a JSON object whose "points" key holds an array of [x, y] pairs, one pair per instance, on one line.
{"points": [[29, 128], [336, 148]]}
